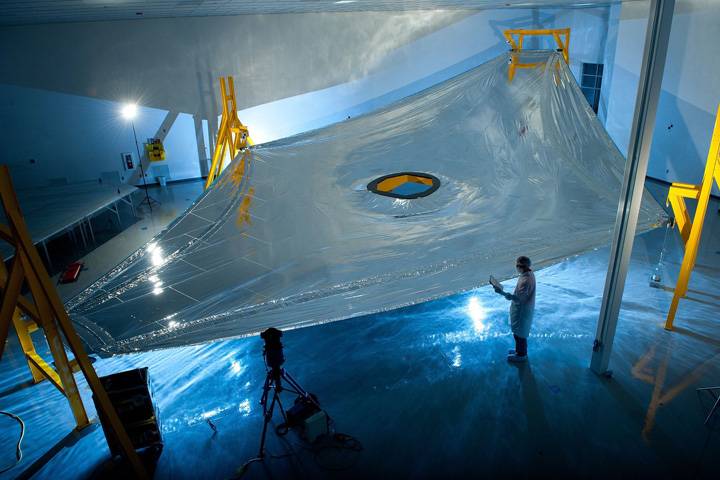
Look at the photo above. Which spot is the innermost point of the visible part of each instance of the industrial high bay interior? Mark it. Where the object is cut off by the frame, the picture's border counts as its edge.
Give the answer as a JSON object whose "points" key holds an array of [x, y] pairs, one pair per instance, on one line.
{"points": [[390, 156]]}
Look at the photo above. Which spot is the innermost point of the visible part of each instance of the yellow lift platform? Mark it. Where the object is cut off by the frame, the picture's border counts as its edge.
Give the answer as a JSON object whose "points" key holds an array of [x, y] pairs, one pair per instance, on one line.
{"points": [[690, 230], [232, 136], [155, 149], [47, 312], [515, 47]]}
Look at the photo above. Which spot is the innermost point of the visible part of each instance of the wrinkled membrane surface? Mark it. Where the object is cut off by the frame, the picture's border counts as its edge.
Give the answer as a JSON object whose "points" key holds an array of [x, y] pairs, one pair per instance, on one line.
{"points": [[289, 235]]}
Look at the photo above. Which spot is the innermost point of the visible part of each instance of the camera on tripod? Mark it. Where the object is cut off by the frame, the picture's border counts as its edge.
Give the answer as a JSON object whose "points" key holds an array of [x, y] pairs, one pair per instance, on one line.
{"points": [[306, 411], [273, 348]]}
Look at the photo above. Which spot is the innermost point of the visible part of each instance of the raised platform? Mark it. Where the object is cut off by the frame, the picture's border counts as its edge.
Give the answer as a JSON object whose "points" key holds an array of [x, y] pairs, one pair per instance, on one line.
{"points": [[57, 209]]}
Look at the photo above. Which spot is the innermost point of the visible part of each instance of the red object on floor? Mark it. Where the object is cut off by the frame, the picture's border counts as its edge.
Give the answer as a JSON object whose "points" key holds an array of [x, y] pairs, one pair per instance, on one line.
{"points": [[72, 272]]}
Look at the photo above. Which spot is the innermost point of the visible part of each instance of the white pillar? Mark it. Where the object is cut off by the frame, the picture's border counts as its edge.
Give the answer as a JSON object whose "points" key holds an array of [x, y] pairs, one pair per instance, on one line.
{"points": [[651, 72]]}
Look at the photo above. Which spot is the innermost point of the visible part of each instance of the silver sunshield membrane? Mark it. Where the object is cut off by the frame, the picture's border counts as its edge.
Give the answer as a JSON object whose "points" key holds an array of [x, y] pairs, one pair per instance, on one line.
{"points": [[289, 235]]}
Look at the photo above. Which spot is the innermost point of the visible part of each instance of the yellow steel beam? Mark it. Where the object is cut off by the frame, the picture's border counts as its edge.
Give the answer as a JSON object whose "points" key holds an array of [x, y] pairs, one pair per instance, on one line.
{"points": [[691, 246], [11, 291], [676, 198], [23, 333], [45, 371], [74, 365], [687, 190], [218, 153], [514, 64], [563, 47], [221, 157], [516, 46], [47, 320], [52, 315], [39, 369], [232, 135], [23, 303], [682, 217], [6, 235], [231, 95], [512, 67], [31, 325]]}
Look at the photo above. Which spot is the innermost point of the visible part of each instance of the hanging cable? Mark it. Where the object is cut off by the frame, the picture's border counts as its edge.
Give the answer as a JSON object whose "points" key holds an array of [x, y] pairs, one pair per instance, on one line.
{"points": [[18, 451]]}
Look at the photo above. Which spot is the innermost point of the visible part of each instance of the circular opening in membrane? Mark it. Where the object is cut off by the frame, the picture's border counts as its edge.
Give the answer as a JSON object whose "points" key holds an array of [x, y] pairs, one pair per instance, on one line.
{"points": [[406, 185]]}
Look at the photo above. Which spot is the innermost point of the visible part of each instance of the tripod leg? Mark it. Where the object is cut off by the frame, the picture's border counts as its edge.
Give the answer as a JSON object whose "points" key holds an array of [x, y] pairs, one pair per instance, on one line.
{"points": [[715, 407], [266, 389], [299, 390], [273, 382], [282, 410], [267, 412], [288, 378]]}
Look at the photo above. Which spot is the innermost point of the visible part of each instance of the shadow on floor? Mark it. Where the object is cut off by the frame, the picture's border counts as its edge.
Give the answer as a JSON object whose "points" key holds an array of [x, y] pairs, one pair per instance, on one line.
{"points": [[69, 441], [119, 468]]}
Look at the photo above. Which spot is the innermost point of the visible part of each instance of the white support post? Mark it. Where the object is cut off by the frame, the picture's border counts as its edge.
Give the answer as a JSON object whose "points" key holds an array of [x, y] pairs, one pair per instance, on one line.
{"points": [[651, 72]]}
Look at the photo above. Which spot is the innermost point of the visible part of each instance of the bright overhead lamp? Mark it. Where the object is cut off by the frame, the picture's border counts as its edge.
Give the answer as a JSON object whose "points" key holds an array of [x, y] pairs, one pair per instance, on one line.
{"points": [[129, 111]]}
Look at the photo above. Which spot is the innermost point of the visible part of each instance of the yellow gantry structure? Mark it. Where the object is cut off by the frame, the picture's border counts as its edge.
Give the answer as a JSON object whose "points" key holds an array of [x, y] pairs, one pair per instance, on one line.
{"points": [[232, 135], [563, 47], [47, 312], [690, 230]]}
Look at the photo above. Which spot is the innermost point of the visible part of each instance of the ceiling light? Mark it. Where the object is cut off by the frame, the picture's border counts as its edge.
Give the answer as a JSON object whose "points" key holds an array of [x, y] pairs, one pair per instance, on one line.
{"points": [[129, 111]]}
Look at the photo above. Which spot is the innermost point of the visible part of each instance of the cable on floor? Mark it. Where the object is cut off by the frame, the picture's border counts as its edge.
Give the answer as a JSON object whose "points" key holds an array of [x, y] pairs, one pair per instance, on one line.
{"points": [[241, 471], [334, 444], [18, 451], [337, 443]]}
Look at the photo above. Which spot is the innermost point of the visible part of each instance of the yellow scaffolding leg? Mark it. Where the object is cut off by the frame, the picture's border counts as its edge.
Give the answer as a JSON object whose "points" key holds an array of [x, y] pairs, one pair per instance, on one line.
{"points": [[676, 198], [49, 313], [232, 135], [690, 232], [23, 330]]}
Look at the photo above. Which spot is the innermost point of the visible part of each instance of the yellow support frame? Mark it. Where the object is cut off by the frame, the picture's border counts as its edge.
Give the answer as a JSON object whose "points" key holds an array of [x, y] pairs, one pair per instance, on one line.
{"points": [[563, 47], [47, 311], [39, 368], [690, 231], [232, 135]]}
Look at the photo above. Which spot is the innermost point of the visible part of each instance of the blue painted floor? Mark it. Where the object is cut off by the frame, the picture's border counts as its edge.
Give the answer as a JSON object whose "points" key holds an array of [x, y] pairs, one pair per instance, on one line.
{"points": [[420, 392]]}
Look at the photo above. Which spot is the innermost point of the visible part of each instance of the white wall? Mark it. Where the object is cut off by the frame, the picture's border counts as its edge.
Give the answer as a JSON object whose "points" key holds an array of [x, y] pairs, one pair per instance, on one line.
{"points": [[690, 90], [620, 81], [608, 60], [61, 86], [66, 135]]}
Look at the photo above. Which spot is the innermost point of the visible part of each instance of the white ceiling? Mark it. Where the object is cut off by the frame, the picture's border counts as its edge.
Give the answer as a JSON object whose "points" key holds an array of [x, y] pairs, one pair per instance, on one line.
{"points": [[28, 12]]}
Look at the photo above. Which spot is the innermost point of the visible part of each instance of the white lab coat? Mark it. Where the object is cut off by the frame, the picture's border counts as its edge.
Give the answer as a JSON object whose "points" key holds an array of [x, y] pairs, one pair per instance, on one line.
{"points": [[522, 304]]}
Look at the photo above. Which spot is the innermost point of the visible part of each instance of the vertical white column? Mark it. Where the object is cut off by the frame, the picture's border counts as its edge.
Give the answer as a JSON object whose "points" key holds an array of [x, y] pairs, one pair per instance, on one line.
{"points": [[651, 72]]}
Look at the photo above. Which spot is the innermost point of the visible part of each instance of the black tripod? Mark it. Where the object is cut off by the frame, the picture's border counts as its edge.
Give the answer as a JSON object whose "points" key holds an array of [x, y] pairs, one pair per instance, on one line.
{"points": [[148, 200], [274, 358], [273, 381]]}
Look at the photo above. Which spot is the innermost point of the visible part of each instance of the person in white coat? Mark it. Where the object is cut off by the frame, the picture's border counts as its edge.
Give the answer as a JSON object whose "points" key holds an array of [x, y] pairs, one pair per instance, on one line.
{"points": [[522, 307]]}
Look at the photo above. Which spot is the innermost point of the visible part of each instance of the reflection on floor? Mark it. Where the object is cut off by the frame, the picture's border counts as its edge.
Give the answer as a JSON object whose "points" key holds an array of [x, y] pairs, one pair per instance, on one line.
{"points": [[426, 390]]}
